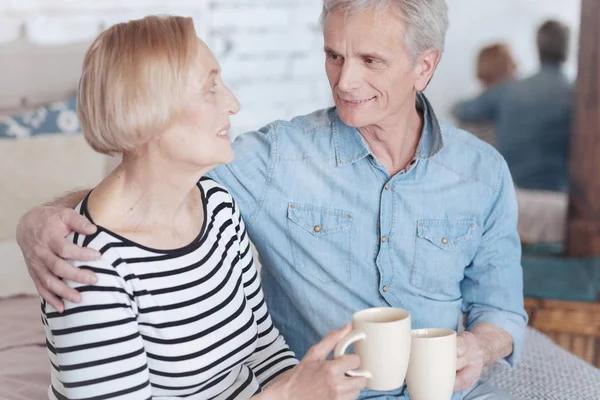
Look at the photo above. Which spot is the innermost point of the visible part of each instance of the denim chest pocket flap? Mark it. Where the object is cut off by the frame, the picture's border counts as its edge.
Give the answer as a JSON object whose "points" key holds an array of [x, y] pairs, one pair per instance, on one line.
{"points": [[319, 221], [442, 251], [320, 241], [445, 234]]}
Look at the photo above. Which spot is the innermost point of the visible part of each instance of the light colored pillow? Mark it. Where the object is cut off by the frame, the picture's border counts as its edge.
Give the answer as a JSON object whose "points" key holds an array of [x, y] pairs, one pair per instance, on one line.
{"points": [[40, 168], [14, 278]]}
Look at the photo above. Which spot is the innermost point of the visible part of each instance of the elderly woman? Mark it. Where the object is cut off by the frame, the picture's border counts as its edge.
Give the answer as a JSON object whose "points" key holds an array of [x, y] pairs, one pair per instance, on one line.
{"points": [[178, 310]]}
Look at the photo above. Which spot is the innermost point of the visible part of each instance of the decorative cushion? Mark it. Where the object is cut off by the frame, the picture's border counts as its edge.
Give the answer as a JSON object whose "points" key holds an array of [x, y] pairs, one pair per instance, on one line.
{"points": [[57, 117], [43, 157], [41, 168]]}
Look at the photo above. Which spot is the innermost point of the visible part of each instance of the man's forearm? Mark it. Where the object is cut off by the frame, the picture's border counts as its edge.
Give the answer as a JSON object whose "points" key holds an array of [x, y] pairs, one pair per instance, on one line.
{"points": [[495, 342], [69, 200]]}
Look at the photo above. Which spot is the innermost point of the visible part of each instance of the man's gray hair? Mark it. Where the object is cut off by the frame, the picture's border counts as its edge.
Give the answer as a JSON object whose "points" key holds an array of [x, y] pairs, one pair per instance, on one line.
{"points": [[426, 20]]}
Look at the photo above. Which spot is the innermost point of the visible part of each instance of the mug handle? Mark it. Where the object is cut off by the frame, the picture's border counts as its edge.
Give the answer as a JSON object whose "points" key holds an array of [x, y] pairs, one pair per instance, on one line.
{"points": [[342, 346]]}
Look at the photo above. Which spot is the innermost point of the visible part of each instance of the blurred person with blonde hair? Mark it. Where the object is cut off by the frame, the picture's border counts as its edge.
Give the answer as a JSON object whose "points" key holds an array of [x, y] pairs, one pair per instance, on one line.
{"points": [[177, 310], [495, 65]]}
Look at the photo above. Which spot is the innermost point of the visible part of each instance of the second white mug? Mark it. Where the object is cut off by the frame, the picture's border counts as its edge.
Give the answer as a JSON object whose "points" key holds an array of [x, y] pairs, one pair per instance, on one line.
{"points": [[432, 368]]}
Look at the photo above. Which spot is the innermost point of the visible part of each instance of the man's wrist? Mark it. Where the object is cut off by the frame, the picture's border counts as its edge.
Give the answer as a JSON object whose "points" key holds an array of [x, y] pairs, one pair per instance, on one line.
{"points": [[494, 343], [69, 200], [486, 351]]}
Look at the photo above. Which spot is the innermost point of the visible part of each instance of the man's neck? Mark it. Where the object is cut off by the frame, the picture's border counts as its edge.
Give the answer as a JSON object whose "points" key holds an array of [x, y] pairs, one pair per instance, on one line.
{"points": [[395, 144]]}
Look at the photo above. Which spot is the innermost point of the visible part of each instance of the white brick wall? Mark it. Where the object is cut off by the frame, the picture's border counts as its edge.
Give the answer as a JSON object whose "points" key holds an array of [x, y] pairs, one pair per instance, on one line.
{"points": [[270, 50]]}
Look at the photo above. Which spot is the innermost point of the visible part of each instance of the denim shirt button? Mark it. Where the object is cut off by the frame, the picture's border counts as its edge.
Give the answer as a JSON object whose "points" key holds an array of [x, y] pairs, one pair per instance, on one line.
{"points": [[317, 228], [387, 187], [384, 239], [385, 288]]}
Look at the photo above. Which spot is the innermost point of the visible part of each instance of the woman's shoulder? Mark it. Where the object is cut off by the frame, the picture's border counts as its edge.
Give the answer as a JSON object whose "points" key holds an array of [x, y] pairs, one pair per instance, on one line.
{"points": [[213, 192], [102, 240]]}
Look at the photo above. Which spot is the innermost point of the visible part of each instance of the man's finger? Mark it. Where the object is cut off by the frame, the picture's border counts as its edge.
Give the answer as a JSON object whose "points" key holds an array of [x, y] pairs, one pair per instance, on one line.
{"points": [[461, 362], [321, 350], [78, 223], [465, 379], [66, 270], [58, 287], [49, 297], [64, 248], [462, 346]]}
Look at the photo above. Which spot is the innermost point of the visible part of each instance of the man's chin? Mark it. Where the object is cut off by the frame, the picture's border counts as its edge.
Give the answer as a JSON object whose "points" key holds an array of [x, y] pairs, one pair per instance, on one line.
{"points": [[352, 119]]}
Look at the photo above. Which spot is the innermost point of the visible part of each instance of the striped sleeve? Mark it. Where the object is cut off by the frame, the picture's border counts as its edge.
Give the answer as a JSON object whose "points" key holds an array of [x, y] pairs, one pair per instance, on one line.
{"points": [[95, 346], [272, 355]]}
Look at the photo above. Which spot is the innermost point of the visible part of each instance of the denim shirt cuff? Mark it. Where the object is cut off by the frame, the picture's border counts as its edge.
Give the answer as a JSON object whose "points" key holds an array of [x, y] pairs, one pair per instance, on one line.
{"points": [[513, 324]]}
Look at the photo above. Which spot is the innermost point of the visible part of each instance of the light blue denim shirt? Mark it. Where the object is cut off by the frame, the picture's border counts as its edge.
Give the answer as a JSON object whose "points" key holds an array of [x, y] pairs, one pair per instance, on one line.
{"points": [[532, 120], [336, 233]]}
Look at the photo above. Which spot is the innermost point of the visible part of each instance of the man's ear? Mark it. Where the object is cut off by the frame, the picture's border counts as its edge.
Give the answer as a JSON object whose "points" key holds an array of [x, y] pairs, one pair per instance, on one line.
{"points": [[425, 66]]}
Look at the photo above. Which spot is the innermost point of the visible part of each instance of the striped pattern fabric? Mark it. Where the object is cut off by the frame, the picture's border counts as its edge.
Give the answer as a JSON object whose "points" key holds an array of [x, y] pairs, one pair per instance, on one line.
{"points": [[184, 323]]}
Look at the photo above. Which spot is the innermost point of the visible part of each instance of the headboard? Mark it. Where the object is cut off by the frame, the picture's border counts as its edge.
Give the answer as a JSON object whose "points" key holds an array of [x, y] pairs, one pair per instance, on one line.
{"points": [[35, 169], [31, 74]]}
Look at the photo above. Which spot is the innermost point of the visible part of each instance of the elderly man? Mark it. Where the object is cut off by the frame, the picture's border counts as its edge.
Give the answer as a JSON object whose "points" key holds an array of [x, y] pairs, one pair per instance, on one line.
{"points": [[374, 202]]}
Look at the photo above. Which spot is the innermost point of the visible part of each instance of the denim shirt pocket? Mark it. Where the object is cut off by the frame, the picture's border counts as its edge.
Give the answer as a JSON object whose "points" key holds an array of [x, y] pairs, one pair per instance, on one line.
{"points": [[320, 241], [442, 252]]}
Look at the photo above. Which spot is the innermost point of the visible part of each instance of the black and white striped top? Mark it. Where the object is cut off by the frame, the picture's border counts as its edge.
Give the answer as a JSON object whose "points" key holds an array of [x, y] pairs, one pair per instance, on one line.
{"points": [[185, 323]]}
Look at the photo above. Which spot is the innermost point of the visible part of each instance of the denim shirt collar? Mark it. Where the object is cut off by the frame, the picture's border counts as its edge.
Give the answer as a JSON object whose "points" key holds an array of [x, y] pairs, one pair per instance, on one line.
{"points": [[351, 147]]}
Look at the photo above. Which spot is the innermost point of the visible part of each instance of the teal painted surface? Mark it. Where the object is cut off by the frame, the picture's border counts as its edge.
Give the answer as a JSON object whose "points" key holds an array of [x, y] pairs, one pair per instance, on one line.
{"points": [[547, 274]]}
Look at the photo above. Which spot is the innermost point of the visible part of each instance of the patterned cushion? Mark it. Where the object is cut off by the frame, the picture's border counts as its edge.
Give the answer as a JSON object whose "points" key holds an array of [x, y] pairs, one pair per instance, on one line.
{"points": [[48, 158], [546, 372], [58, 117]]}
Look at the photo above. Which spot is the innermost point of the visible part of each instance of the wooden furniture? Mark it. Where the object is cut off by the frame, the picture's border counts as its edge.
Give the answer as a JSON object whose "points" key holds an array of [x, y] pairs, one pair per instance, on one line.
{"points": [[583, 232], [575, 326]]}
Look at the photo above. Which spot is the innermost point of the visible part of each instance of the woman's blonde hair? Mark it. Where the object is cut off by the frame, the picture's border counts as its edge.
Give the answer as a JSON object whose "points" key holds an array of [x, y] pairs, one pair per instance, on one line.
{"points": [[495, 63], [133, 81]]}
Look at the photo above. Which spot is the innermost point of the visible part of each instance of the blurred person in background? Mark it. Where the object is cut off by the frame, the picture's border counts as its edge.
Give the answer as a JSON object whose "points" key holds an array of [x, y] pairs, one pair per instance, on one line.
{"points": [[495, 65], [532, 116]]}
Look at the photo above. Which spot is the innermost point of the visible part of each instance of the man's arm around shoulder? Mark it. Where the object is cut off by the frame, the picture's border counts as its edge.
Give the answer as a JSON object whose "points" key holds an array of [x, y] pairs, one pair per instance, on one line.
{"points": [[42, 236]]}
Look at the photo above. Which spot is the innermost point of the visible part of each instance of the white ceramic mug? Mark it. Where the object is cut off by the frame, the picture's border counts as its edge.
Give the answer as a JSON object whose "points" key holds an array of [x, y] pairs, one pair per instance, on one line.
{"points": [[432, 368], [382, 342]]}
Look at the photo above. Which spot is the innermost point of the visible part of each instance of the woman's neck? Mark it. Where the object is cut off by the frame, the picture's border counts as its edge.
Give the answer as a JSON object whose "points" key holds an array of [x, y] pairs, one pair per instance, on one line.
{"points": [[150, 202]]}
